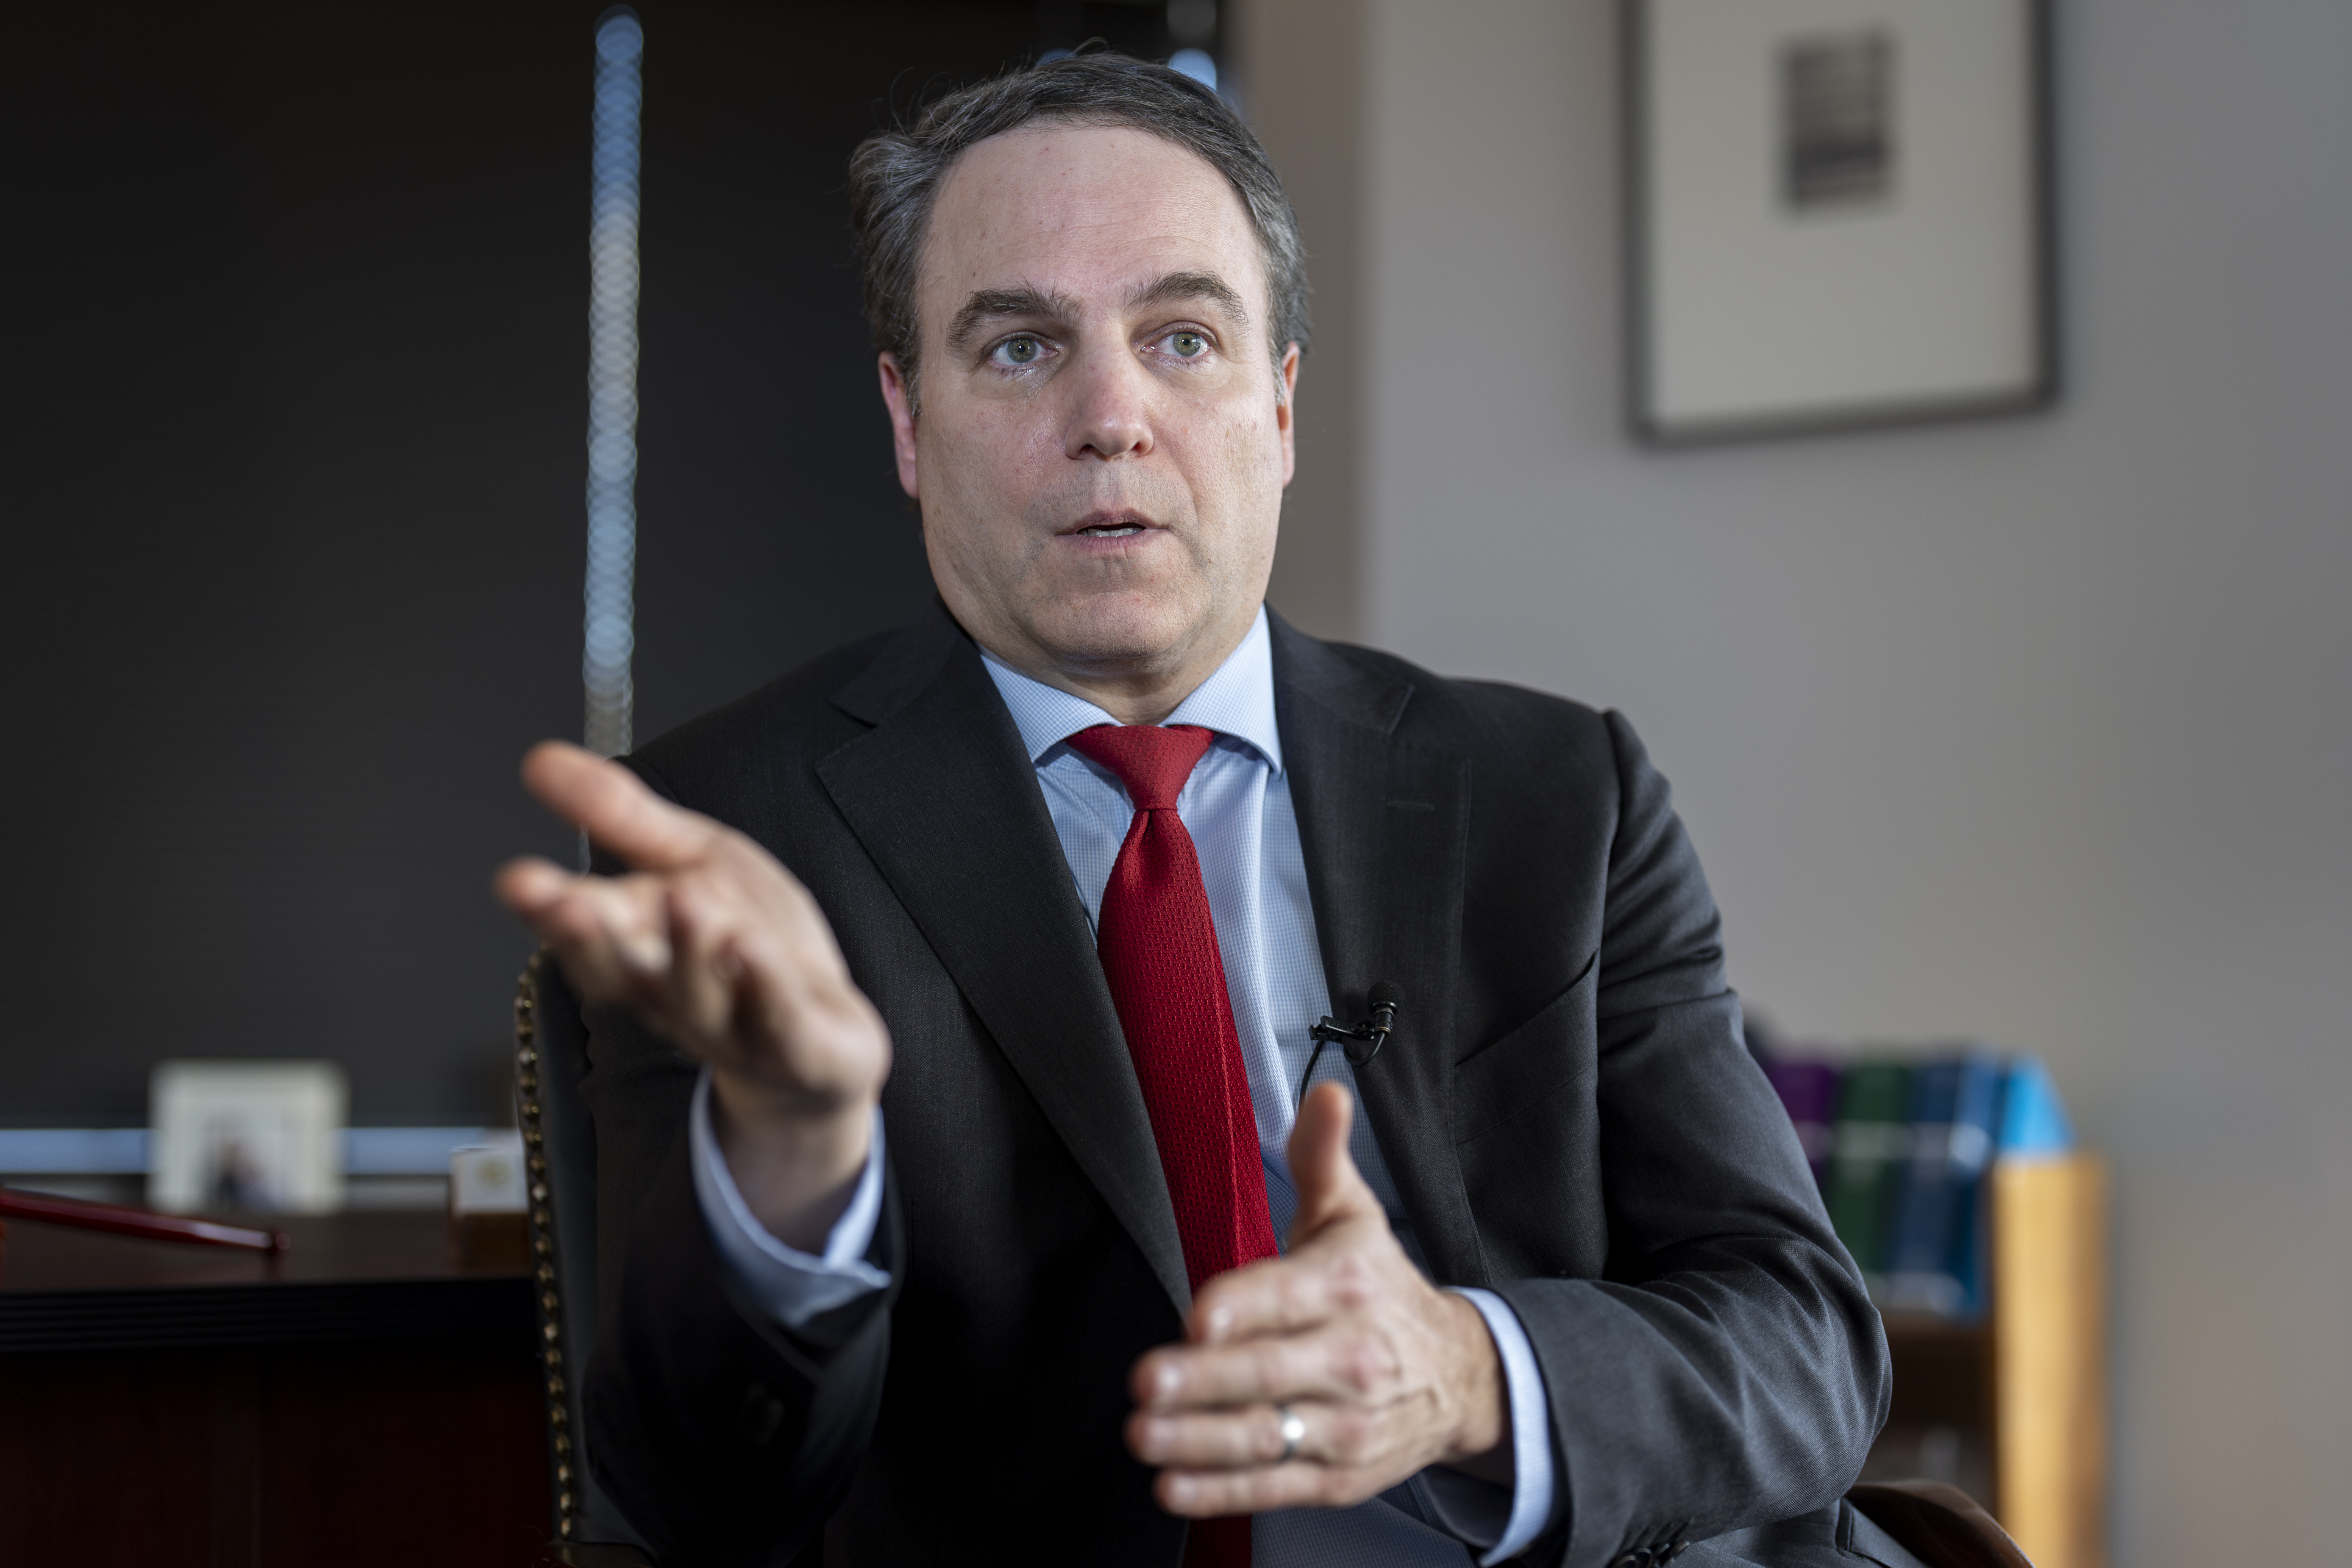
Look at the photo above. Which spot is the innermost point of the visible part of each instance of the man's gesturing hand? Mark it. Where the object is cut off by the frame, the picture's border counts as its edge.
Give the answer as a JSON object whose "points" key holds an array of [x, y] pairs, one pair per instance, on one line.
{"points": [[1388, 1373], [720, 948]]}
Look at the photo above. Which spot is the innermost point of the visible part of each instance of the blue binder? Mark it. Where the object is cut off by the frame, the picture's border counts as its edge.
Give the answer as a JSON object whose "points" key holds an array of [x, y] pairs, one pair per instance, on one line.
{"points": [[1933, 1263]]}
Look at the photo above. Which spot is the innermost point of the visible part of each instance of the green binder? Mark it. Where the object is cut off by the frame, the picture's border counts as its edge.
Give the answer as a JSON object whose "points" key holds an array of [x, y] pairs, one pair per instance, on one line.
{"points": [[1872, 1145]]}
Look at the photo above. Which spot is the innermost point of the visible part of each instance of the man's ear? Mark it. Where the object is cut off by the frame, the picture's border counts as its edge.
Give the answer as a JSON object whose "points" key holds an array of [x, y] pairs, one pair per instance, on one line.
{"points": [[1285, 418], [899, 397]]}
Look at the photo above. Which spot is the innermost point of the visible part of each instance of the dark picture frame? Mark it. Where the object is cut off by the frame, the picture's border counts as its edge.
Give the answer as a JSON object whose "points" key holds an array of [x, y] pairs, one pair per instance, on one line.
{"points": [[1837, 214]]}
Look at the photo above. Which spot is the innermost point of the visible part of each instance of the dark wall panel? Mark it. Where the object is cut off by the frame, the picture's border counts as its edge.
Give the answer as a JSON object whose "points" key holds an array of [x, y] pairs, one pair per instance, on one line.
{"points": [[295, 462]]}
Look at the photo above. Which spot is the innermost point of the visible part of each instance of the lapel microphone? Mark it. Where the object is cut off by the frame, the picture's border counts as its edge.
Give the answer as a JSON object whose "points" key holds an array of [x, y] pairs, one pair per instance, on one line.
{"points": [[1362, 1043]]}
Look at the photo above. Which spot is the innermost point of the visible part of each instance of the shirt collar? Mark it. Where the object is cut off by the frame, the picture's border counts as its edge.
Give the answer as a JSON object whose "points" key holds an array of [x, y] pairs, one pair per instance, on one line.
{"points": [[1237, 700]]}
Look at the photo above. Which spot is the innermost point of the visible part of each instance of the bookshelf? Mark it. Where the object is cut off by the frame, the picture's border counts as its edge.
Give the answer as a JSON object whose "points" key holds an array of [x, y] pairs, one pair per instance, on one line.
{"points": [[2012, 1408]]}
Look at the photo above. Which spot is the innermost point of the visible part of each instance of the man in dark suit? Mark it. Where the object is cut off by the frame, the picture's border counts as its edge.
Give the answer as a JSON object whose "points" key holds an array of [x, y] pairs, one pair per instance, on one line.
{"points": [[1076, 864]]}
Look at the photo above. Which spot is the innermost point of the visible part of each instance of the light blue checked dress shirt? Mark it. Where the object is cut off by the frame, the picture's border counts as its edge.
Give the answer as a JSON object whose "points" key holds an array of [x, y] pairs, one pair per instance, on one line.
{"points": [[1237, 807]]}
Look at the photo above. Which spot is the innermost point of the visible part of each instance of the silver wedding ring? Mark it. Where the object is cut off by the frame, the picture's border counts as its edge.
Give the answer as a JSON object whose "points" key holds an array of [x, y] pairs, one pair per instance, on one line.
{"points": [[1294, 1432]]}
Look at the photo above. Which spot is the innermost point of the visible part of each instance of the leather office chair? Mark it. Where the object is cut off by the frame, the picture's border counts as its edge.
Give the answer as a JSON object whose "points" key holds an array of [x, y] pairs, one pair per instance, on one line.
{"points": [[1939, 1524], [560, 1148]]}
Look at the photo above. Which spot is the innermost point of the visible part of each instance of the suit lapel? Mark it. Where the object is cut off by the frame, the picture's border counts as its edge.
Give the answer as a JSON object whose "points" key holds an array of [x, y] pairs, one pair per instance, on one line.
{"points": [[1385, 828], [943, 796]]}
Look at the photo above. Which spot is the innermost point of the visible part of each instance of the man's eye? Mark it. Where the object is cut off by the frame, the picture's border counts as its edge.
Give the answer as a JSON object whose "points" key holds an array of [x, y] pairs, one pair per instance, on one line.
{"points": [[1188, 345], [1020, 350]]}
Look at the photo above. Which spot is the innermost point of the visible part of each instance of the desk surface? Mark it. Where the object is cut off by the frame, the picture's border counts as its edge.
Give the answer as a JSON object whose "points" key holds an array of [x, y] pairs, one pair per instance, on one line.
{"points": [[348, 1276]]}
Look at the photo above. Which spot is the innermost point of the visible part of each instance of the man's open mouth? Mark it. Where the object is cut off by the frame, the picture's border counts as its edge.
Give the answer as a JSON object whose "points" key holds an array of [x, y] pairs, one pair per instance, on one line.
{"points": [[1107, 524]]}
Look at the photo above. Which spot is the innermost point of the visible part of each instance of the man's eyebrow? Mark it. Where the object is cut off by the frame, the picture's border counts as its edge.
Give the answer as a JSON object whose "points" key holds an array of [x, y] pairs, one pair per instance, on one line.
{"points": [[986, 304], [1192, 286]]}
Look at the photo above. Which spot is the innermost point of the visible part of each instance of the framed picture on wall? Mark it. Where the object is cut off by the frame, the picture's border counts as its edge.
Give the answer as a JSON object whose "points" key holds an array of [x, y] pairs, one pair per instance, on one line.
{"points": [[1838, 214]]}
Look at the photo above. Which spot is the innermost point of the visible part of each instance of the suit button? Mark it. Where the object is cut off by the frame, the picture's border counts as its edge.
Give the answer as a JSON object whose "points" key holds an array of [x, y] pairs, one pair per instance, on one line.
{"points": [[760, 1414], [1681, 1545], [1637, 1558]]}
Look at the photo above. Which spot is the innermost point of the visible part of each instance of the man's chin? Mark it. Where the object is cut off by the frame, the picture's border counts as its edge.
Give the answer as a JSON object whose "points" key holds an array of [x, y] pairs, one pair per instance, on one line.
{"points": [[1117, 631]]}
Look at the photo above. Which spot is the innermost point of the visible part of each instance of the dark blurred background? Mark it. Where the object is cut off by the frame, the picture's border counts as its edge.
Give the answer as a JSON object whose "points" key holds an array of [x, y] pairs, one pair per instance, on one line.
{"points": [[296, 417]]}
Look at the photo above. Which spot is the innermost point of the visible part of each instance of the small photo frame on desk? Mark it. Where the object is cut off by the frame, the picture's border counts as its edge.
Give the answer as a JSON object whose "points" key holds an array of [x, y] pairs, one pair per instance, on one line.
{"points": [[1838, 215], [255, 1137]]}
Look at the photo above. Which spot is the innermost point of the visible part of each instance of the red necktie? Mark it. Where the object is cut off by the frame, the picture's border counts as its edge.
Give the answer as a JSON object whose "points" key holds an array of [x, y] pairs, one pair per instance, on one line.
{"points": [[1159, 951]]}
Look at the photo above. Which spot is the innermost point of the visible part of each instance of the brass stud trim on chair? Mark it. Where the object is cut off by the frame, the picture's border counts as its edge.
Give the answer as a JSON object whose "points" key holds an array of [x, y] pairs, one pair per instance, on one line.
{"points": [[542, 1238]]}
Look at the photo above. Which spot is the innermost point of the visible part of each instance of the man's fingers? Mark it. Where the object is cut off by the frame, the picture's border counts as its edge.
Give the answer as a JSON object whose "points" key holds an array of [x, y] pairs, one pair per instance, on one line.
{"points": [[1275, 1296], [1331, 1365], [530, 884], [1250, 1437], [705, 927], [1207, 1441], [1342, 1327], [613, 807], [1233, 1462], [608, 933], [1330, 1188], [1211, 1494], [1283, 1295]]}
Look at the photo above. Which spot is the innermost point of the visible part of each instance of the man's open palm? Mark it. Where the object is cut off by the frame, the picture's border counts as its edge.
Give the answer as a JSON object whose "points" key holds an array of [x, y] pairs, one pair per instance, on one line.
{"points": [[720, 948], [1387, 1374]]}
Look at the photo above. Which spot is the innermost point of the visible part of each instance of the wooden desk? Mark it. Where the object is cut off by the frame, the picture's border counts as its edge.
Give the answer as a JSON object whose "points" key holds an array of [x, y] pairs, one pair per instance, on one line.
{"points": [[359, 1401]]}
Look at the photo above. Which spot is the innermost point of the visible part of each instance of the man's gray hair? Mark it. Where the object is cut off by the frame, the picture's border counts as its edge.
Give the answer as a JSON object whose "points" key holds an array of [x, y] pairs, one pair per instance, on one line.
{"points": [[894, 177]]}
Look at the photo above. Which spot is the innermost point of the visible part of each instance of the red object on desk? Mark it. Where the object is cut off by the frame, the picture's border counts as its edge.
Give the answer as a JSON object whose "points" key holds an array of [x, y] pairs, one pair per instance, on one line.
{"points": [[121, 1221]]}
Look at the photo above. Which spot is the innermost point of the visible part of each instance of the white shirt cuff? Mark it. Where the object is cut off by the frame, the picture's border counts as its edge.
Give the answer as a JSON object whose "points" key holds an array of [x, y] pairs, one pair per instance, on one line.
{"points": [[1485, 1515], [786, 1283]]}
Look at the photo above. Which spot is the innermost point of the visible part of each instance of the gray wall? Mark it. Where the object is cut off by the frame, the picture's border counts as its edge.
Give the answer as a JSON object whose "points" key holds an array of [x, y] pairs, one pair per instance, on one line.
{"points": [[2039, 731]]}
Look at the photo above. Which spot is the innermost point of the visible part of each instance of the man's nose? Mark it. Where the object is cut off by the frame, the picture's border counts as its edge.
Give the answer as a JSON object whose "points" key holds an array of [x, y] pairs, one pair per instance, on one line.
{"points": [[1112, 417]]}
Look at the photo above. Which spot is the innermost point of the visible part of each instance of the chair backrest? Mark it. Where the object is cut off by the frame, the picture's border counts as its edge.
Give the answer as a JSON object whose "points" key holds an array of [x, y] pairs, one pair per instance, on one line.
{"points": [[1940, 1525], [559, 1146]]}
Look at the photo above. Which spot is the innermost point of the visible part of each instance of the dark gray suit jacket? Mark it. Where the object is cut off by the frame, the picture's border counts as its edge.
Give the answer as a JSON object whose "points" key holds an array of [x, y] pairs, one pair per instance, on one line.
{"points": [[1565, 1107]]}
